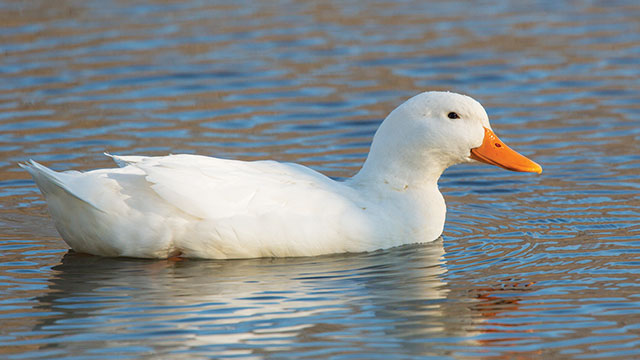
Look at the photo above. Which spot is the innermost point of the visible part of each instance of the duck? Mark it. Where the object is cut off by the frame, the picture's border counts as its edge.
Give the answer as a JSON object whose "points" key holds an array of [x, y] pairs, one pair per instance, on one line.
{"points": [[194, 206]]}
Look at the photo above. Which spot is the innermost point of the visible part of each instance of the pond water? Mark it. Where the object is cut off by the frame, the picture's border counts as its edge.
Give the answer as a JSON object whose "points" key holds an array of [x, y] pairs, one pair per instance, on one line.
{"points": [[529, 266]]}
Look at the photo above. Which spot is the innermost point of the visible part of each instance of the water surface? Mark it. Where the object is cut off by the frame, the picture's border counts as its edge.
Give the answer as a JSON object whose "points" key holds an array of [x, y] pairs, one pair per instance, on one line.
{"points": [[529, 266]]}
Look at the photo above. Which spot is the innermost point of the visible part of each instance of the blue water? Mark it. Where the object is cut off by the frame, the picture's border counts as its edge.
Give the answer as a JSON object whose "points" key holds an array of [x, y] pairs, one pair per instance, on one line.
{"points": [[528, 266]]}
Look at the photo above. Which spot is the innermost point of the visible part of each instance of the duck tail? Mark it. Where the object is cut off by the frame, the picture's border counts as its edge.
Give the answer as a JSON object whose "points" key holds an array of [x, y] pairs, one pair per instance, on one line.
{"points": [[52, 182]]}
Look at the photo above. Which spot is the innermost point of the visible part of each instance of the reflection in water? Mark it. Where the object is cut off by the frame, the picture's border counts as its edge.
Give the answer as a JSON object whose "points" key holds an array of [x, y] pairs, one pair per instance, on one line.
{"points": [[264, 305]]}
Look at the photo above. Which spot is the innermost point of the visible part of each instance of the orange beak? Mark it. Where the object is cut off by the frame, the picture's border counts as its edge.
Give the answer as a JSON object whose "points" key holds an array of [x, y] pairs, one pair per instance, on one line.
{"points": [[493, 151]]}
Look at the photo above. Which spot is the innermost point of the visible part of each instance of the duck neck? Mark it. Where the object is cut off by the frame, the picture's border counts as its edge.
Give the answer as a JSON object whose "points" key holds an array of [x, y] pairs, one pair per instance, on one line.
{"points": [[410, 192], [416, 172]]}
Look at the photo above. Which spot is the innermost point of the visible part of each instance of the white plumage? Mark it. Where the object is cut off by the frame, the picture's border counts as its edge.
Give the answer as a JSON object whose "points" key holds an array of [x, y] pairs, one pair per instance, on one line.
{"points": [[203, 207]]}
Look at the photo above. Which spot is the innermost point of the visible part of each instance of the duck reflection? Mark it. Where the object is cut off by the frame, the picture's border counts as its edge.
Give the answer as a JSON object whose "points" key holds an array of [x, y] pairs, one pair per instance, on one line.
{"points": [[226, 305], [258, 306]]}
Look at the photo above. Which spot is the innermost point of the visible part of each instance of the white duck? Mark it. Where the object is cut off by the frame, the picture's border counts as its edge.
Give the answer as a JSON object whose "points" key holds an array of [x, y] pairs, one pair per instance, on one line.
{"points": [[203, 207]]}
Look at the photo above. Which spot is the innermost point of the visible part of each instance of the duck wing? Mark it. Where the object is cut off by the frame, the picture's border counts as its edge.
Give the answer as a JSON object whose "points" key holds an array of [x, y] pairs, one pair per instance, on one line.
{"points": [[213, 188]]}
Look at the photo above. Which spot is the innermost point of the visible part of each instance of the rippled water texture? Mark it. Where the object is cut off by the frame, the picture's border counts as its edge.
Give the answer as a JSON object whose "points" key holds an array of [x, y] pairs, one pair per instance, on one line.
{"points": [[529, 266]]}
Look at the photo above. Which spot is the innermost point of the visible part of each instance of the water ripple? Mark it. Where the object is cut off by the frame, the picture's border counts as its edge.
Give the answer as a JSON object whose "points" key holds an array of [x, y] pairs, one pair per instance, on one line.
{"points": [[529, 266]]}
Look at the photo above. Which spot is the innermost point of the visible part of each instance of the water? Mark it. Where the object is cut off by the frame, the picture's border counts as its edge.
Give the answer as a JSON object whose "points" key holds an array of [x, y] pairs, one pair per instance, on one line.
{"points": [[529, 266]]}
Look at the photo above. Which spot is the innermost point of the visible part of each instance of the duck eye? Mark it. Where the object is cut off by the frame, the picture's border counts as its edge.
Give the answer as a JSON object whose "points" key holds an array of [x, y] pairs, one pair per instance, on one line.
{"points": [[453, 115]]}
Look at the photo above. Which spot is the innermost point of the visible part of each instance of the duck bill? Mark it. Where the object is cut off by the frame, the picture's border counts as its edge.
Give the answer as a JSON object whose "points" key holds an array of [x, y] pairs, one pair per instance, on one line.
{"points": [[493, 151]]}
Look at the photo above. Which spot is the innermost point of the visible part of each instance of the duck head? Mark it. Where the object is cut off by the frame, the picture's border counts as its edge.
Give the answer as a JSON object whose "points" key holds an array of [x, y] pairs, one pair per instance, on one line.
{"points": [[432, 131]]}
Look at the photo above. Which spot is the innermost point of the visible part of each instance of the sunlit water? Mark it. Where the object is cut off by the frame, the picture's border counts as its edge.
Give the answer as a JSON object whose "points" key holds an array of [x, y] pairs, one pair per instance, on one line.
{"points": [[529, 266]]}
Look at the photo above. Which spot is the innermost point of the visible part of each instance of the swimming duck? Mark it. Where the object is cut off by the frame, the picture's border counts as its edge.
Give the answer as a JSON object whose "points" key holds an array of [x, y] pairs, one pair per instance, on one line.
{"points": [[204, 207]]}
